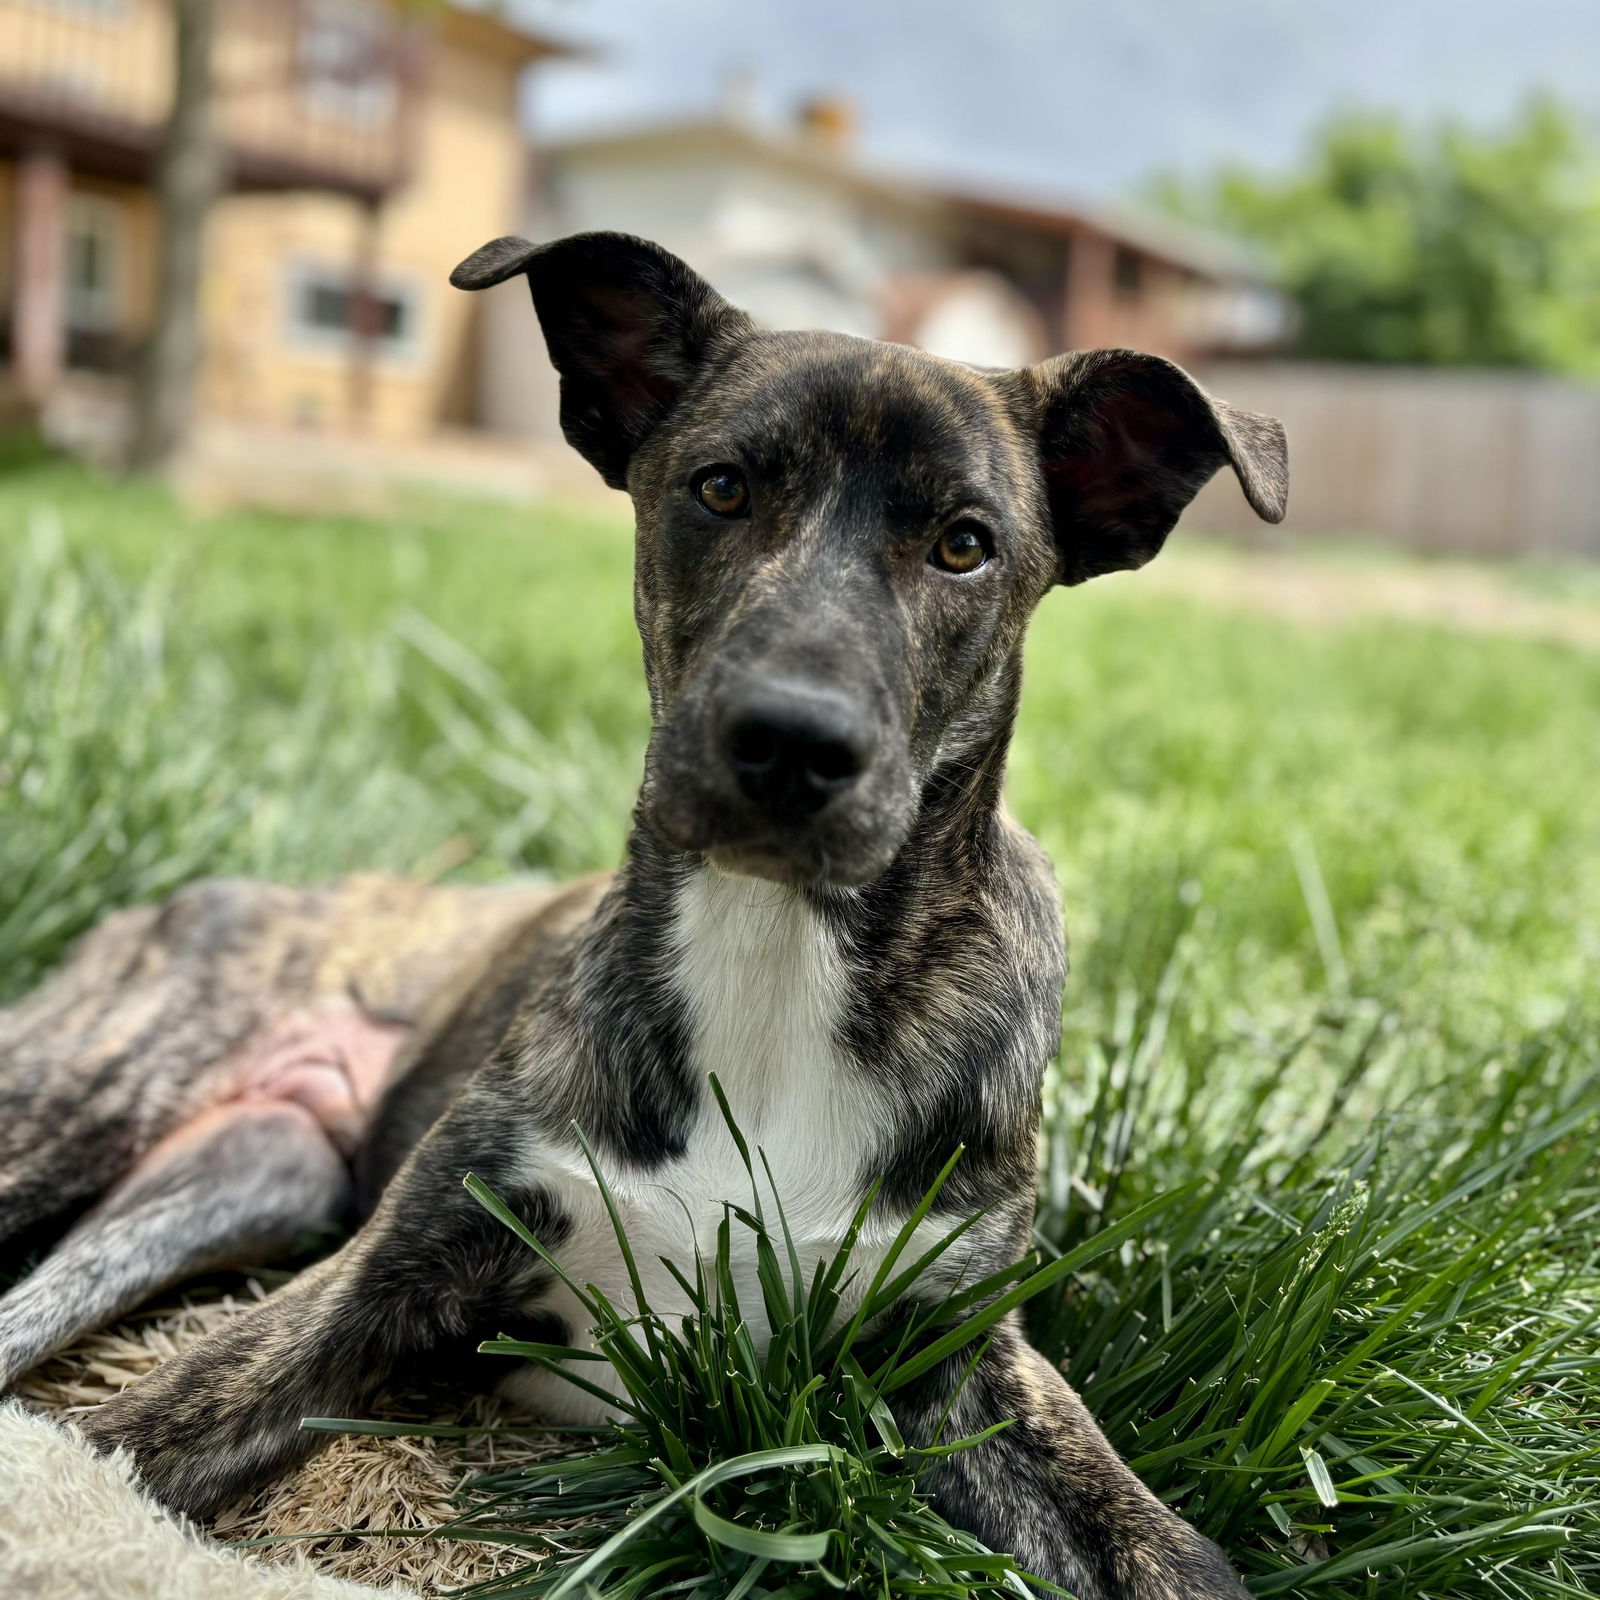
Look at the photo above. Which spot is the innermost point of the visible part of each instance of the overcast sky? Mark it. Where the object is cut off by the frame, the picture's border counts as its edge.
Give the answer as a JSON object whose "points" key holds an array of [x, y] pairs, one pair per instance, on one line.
{"points": [[1087, 96]]}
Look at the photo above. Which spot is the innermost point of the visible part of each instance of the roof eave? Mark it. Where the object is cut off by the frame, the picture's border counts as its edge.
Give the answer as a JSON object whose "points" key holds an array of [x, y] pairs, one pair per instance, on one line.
{"points": [[1220, 257], [525, 44]]}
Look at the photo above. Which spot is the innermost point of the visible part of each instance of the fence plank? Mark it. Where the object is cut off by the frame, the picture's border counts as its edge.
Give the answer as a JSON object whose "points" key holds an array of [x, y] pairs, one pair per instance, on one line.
{"points": [[1491, 464]]}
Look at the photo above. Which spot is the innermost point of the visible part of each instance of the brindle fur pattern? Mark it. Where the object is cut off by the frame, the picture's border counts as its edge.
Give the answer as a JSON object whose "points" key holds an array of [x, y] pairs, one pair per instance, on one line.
{"points": [[875, 981], [133, 1034]]}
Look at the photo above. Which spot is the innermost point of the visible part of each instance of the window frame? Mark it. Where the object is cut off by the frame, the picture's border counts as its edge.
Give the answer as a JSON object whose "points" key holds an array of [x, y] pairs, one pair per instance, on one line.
{"points": [[108, 219], [304, 274]]}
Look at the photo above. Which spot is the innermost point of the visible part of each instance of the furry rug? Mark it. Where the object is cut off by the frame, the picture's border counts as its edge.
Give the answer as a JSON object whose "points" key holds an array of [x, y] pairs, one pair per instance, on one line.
{"points": [[75, 1527]]}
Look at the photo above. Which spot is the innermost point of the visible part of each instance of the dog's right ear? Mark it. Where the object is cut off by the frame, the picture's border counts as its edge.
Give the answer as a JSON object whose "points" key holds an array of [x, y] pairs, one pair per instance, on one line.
{"points": [[628, 325]]}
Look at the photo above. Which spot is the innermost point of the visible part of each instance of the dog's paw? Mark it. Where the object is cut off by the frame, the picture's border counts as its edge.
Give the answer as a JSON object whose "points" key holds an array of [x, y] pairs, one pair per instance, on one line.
{"points": [[191, 1456]]}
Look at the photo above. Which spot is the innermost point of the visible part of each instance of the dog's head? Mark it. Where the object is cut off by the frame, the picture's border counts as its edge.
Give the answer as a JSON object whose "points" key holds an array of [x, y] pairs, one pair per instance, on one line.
{"points": [[840, 541]]}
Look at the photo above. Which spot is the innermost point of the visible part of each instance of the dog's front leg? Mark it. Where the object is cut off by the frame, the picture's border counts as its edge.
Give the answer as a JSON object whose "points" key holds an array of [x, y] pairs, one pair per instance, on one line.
{"points": [[1049, 1489], [427, 1276], [225, 1413]]}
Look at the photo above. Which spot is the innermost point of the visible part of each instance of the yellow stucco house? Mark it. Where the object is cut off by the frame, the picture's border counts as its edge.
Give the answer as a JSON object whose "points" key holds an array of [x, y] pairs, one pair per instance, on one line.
{"points": [[369, 145]]}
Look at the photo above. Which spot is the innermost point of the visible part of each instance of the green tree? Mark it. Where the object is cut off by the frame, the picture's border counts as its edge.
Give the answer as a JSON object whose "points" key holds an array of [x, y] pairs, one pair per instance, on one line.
{"points": [[1442, 246]]}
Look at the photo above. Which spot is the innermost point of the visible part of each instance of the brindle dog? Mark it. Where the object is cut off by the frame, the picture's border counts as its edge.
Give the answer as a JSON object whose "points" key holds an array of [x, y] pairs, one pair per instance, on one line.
{"points": [[840, 543]]}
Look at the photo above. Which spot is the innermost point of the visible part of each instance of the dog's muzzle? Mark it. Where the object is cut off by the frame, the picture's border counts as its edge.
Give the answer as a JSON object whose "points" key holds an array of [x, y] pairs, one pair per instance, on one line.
{"points": [[793, 749], [783, 776]]}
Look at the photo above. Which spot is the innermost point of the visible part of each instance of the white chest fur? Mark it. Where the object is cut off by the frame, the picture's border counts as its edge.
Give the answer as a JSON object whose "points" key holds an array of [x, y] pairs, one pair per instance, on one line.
{"points": [[763, 982]]}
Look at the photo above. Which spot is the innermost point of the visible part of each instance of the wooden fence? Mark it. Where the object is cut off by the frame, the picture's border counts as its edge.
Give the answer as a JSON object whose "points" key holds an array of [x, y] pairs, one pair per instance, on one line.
{"points": [[1489, 464]]}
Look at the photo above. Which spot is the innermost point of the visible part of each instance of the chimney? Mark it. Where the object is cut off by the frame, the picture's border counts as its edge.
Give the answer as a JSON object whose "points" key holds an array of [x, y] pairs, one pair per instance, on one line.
{"points": [[737, 103], [829, 122]]}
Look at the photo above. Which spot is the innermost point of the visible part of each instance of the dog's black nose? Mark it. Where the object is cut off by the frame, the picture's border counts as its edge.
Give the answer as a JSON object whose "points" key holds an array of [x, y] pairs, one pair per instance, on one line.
{"points": [[793, 747]]}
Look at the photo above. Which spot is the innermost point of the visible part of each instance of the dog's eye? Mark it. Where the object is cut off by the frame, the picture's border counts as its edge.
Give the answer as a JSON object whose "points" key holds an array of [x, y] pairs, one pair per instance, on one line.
{"points": [[722, 491], [963, 547]]}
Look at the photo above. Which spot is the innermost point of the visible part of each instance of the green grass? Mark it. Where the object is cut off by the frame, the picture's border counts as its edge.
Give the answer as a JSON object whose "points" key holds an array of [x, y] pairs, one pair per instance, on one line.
{"points": [[1335, 905]]}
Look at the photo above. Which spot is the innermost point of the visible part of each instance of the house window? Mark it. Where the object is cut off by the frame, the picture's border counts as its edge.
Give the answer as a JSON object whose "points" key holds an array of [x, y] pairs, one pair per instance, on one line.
{"points": [[346, 64], [1127, 271], [322, 311], [95, 258]]}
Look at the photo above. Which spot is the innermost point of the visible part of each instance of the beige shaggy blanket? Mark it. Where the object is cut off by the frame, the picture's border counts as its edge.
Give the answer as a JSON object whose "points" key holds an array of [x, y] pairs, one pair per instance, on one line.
{"points": [[75, 1526]]}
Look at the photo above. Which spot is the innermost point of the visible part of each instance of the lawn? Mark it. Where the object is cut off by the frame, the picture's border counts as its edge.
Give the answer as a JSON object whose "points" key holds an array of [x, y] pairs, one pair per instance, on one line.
{"points": [[1334, 898]]}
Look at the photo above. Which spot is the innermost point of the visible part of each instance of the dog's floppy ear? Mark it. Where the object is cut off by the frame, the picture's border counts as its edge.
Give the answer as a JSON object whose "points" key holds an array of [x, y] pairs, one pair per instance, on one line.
{"points": [[627, 324], [1126, 441]]}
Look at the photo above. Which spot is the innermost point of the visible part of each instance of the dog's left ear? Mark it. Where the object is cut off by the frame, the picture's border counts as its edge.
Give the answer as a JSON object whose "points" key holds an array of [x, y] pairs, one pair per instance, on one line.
{"points": [[1126, 441], [628, 326]]}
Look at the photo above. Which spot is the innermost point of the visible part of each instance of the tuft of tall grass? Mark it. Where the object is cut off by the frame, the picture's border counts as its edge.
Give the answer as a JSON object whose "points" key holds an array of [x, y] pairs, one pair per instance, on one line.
{"points": [[758, 1452], [1366, 1360]]}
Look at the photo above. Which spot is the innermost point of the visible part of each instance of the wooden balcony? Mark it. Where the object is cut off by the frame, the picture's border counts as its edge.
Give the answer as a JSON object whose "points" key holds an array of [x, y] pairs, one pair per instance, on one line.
{"points": [[311, 94]]}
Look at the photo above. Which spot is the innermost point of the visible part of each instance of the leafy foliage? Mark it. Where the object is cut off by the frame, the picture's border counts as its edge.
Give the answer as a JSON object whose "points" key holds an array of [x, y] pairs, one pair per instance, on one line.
{"points": [[1445, 247]]}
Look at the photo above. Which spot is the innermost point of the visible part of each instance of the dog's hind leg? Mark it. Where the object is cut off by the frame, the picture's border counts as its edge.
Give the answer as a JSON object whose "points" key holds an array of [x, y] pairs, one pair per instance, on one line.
{"points": [[159, 1012], [240, 1183], [201, 1074], [131, 1035]]}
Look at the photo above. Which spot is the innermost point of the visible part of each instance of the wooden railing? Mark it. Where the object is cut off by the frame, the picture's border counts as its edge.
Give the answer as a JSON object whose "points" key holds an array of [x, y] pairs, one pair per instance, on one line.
{"points": [[310, 93]]}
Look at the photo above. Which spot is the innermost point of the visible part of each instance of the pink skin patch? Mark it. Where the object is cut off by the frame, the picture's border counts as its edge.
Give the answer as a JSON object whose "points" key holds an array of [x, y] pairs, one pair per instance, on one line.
{"points": [[324, 1065], [330, 1058]]}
